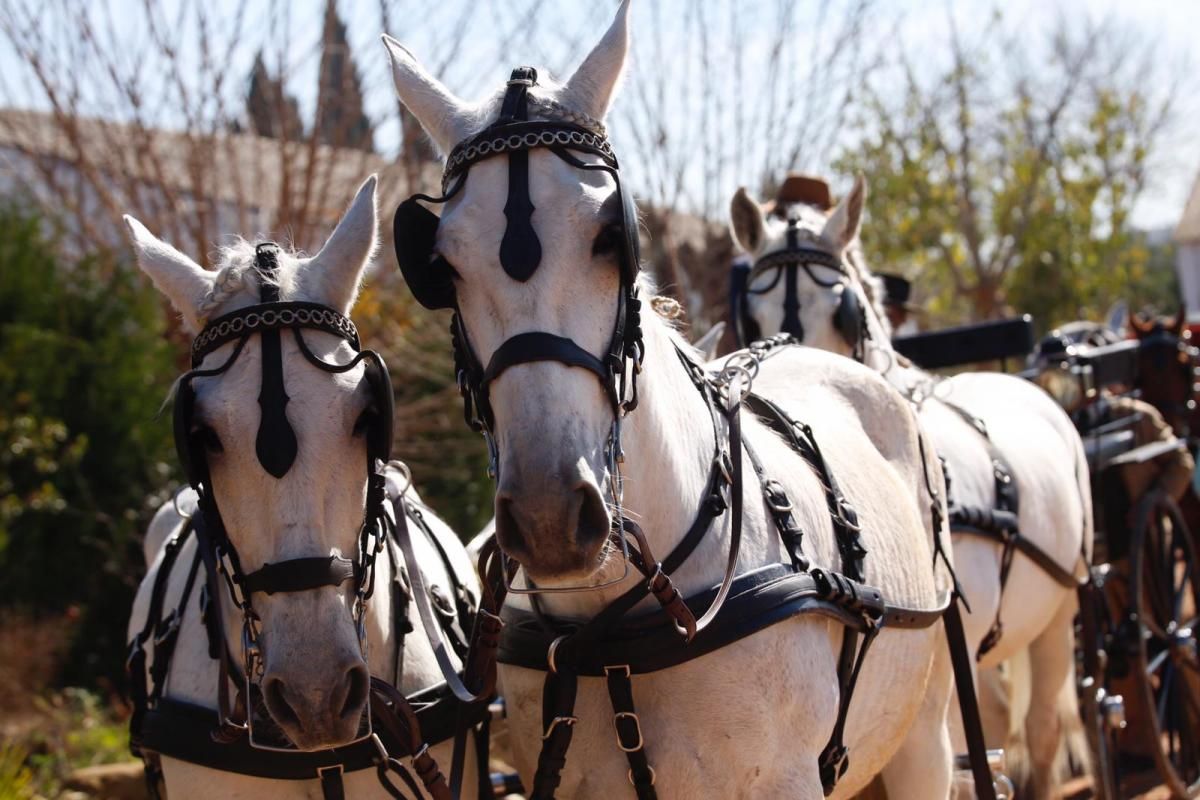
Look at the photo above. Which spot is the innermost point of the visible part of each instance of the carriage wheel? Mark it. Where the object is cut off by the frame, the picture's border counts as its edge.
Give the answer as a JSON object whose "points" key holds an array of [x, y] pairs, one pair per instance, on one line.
{"points": [[1094, 630], [1165, 589]]}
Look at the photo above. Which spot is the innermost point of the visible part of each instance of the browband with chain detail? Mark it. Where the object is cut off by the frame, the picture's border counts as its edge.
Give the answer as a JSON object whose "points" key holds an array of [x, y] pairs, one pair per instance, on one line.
{"points": [[520, 136], [271, 316], [802, 255]]}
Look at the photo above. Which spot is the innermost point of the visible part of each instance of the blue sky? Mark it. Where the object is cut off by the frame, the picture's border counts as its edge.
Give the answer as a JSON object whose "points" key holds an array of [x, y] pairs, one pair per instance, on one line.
{"points": [[566, 28]]}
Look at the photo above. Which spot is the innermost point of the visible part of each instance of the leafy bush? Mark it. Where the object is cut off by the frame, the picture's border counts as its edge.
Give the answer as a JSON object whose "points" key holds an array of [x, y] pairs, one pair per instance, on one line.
{"points": [[84, 367]]}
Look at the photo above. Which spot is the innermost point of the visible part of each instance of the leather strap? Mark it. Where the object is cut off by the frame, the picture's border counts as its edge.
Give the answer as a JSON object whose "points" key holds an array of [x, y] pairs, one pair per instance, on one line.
{"points": [[298, 575], [331, 783], [558, 724], [425, 611], [1029, 549], [271, 316], [968, 702], [525, 348], [758, 599], [628, 727]]}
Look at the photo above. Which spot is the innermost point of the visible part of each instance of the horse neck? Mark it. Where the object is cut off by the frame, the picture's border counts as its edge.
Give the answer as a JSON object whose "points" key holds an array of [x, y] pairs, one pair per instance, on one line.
{"points": [[668, 445]]}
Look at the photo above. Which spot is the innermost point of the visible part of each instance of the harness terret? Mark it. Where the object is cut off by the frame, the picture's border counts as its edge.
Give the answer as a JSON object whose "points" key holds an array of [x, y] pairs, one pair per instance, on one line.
{"points": [[239, 735], [613, 644], [849, 318]]}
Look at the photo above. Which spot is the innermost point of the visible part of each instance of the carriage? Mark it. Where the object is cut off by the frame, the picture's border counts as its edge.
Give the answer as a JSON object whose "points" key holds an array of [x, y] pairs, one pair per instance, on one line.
{"points": [[1137, 669]]}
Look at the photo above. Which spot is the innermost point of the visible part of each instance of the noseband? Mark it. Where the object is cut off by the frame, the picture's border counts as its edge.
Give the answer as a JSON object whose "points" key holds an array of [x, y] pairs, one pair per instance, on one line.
{"points": [[429, 275], [277, 446], [849, 319]]}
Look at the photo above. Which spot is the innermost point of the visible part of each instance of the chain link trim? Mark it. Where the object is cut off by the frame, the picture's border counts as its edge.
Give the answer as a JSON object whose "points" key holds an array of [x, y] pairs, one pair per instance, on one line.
{"points": [[271, 316], [523, 136]]}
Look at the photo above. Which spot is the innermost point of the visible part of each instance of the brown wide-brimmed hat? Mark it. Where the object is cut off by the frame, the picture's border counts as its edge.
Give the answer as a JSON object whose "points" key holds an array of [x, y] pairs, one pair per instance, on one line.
{"points": [[800, 188]]}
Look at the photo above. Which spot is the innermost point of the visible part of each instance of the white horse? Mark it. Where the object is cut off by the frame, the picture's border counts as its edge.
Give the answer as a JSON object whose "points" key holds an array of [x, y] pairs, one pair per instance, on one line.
{"points": [[748, 720], [309, 642], [1027, 427]]}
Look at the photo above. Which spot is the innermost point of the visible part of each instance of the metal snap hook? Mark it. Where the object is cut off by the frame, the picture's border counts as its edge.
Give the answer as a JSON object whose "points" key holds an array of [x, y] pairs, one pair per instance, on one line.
{"points": [[550, 654]]}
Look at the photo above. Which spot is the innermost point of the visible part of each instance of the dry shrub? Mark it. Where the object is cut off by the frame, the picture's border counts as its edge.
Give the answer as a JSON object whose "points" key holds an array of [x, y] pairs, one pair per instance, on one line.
{"points": [[34, 648]]}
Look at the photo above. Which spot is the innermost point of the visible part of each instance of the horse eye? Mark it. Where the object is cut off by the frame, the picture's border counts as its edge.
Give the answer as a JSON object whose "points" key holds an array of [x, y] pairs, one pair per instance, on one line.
{"points": [[208, 438], [364, 421], [607, 240]]}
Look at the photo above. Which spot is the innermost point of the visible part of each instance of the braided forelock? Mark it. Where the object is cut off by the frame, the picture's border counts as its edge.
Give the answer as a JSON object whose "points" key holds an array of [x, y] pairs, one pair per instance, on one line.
{"points": [[236, 275]]}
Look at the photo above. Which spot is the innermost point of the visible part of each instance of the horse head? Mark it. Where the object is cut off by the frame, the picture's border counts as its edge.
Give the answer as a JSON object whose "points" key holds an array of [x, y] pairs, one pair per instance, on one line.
{"points": [[283, 451], [808, 278], [534, 254], [1166, 366]]}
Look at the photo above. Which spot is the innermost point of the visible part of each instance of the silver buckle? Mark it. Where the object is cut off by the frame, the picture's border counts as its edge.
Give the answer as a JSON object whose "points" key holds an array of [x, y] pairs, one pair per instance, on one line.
{"points": [[637, 723]]}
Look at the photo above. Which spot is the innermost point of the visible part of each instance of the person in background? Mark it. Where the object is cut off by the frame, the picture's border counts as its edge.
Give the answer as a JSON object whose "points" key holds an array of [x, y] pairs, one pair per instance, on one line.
{"points": [[800, 188], [897, 291]]}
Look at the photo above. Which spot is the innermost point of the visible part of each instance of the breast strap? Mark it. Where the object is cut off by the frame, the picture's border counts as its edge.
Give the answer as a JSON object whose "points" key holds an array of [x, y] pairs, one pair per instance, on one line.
{"points": [[759, 599]]}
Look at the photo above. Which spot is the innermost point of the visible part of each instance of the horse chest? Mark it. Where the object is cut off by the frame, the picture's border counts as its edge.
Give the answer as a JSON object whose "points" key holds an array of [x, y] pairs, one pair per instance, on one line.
{"points": [[713, 727]]}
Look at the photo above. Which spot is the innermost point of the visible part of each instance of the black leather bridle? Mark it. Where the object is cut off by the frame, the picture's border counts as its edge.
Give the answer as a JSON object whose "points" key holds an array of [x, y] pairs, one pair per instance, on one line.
{"points": [[849, 318], [429, 275], [277, 447]]}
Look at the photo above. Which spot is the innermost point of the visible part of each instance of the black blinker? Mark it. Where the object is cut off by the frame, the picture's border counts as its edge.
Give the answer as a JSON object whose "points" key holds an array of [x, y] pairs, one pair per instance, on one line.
{"points": [[276, 442], [428, 277]]}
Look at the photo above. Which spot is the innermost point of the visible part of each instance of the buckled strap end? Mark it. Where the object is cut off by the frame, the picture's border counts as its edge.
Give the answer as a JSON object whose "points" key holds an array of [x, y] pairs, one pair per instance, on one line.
{"points": [[671, 600]]}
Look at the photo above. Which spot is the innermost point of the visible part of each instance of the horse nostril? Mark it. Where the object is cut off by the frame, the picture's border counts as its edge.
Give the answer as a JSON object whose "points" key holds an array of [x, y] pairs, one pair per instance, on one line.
{"points": [[594, 523], [508, 531], [275, 695], [358, 684]]}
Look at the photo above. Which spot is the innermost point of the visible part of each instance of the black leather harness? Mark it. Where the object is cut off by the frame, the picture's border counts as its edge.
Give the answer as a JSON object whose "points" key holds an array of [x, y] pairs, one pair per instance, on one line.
{"points": [[404, 727], [616, 646], [610, 644], [390, 725], [1000, 524], [849, 318]]}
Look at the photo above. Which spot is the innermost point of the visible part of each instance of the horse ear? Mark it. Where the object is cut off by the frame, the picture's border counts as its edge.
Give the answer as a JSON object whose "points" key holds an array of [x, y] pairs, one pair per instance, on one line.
{"points": [[845, 221], [1177, 327], [333, 275], [749, 227], [443, 116], [593, 85], [185, 283]]}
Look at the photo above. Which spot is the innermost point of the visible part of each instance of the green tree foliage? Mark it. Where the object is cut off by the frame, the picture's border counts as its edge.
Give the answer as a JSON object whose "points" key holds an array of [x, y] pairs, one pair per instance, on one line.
{"points": [[1002, 187], [84, 367]]}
